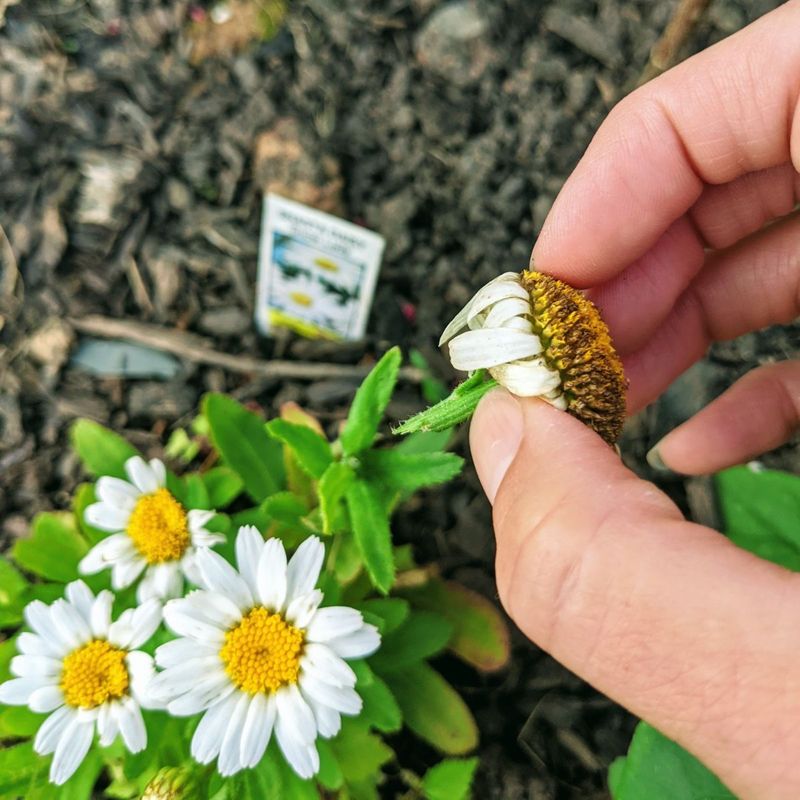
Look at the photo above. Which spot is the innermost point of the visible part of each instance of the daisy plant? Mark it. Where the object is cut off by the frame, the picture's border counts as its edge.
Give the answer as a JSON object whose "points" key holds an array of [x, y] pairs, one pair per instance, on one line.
{"points": [[248, 629]]}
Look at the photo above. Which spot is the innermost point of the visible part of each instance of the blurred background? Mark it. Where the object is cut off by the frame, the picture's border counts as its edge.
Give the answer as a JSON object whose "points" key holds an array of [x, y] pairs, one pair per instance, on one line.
{"points": [[136, 142]]}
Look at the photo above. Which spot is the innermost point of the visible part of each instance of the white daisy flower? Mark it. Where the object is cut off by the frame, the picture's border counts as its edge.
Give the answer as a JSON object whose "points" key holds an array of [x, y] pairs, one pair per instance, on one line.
{"points": [[152, 533], [86, 669], [539, 337], [257, 652]]}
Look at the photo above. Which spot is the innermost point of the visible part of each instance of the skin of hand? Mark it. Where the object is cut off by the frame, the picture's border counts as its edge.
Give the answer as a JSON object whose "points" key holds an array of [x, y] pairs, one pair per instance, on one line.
{"points": [[680, 221]]}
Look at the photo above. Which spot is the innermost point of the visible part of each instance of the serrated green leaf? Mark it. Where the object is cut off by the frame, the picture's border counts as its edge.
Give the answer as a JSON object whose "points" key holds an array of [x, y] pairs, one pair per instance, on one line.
{"points": [[330, 774], [359, 753], [480, 634], [223, 486], [407, 472], [392, 611], [21, 770], [54, 547], [246, 447], [12, 584], [450, 779], [18, 721], [657, 767], [284, 507], [369, 404], [332, 488], [433, 709], [195, 494], [372, 534], [422, 635], [760, 511], [380, 708], [102, 451], [312, 451]]}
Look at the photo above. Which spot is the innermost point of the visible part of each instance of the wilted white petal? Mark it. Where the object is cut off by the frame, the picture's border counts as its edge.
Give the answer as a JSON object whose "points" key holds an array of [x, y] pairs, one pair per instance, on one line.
{"points": [[489, 347], [526, 378]]}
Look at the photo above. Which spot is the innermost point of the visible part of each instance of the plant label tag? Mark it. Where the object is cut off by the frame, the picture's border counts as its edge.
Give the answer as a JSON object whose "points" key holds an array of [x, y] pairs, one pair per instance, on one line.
{"points": [[316, 272]]}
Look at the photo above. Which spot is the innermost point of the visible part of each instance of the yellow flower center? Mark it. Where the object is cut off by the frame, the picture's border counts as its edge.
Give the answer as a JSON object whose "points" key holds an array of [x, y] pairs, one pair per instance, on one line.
{"points": [[577, 343], [158, 527], [94, 674], [262, 653]]}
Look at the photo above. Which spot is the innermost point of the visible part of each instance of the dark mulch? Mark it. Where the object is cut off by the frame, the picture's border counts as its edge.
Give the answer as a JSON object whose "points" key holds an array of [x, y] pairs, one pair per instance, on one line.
{"points": [[127, 189]]}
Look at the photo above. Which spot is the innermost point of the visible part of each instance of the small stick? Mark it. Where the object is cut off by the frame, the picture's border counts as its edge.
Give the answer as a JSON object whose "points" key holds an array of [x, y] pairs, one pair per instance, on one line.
{"points": [[197, 348], [664, 53]]}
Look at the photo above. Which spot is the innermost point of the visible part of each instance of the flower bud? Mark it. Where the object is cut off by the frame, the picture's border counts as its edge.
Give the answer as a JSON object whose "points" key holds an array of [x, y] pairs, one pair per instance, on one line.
{"points": [[173, 783]]}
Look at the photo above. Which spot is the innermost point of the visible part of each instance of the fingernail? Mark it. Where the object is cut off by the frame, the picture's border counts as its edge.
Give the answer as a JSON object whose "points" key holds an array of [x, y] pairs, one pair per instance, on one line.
{"points": [[495, 437], [655, 461]]}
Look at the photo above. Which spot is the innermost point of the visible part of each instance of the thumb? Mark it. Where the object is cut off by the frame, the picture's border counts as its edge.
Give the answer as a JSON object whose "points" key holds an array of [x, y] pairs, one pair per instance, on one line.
{"points": [[668, 618]]}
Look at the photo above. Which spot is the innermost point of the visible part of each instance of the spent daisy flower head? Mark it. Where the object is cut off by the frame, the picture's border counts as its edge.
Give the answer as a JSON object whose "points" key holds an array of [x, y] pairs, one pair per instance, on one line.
{"points": [[539, 337], [86, 670], [152, 533], [258, 653]]}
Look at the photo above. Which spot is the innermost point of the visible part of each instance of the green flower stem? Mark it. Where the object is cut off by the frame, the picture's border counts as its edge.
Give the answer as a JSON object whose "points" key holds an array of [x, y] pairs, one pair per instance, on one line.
{"points": [[459, 406]]}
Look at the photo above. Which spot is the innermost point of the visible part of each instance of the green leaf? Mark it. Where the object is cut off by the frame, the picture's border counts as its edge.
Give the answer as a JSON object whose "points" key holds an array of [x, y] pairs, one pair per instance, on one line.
{"points": [[84, 497], [421, 636], [330, 773], [284, 507], [425, 442], [480, 633], [12, 584], [372, 534], [450, 779], [245, 446], [223, 486], [21, 770], [102, 451], [392, 611], [312, 451], [81, 785], [407, 472], [54, 547], [8, 649], [380, 707], [332, 488], [761, 512], [657, 767], [18, 721], [433, 390], [195, 493], [369, 404], [433, 709], [359, 753], [348, 564]]}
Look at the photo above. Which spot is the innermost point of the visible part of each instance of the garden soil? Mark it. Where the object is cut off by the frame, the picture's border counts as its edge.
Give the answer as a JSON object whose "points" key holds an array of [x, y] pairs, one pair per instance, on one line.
{"points": [[136, 139]]}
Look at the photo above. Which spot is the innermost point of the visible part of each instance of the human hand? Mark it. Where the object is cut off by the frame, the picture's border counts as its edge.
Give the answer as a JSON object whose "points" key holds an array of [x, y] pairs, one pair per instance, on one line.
{"points": [[597, 566]]}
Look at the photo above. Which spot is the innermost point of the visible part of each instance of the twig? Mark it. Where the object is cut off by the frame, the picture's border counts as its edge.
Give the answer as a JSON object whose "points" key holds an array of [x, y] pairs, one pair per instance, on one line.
{"points": [[197, 348], [664, 53]]}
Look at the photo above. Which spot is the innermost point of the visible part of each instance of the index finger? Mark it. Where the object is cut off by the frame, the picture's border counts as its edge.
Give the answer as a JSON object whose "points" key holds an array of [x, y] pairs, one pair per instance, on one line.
{"points": [[730, 110]]}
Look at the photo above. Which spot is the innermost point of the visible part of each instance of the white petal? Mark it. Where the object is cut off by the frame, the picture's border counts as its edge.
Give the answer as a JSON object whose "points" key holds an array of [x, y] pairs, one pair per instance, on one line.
{"points": [[295, 713], [167, 580], [189, 567], [526, 378], [183, 620], [141, 669], [213, 687], [51, 729], [33, 645], [180, 679], [197, 519], [230, 752], [321, 661], [302, 756], [219, 576], [213, 608], [249, 544], [205, 539], [177, 651], [505, 310], [159, 471], [131, 725], [25, 665], [489, 347], [45, 699], [207, 739], [329, 721], [272, 575], [116, 492], [106, 517], [257, 728], [333, 622], [142, 476], [126, 570], [360, 644], [72, 626], [81, 598], [39, 617], [72, 747], [341, 698], [303, 608], [135, 625], [108, 722], [106, 552], [304, 566], [17, 691], [100, 615]]}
